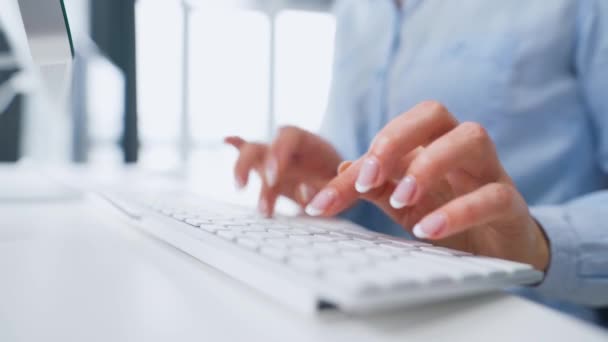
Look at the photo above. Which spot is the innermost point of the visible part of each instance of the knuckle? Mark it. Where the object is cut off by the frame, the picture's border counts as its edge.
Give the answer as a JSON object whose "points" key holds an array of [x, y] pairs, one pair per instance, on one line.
{"points": [[439, 112], [434, 106], [468, 210], [475, 131], [422, 165], [287, 130], [504, 194], [249, 149], [383, 144]]}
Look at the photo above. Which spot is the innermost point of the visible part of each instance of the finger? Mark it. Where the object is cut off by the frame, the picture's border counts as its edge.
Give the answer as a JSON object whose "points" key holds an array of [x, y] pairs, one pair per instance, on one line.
{"points": [[419, 126], [250, 156], [344, 166], [304, 193], [403, 164], [281, 153], [267, 199], [235, 141], [336, 195], [489, 203], [339, 194], [468, 147]]}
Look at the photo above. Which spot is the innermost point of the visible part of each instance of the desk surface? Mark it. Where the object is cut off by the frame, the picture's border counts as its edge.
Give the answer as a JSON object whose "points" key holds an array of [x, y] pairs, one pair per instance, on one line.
{"points": [[72, 272]]}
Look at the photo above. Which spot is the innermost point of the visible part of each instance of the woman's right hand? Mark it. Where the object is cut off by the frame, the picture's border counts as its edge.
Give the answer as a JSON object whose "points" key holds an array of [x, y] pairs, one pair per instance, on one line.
{"points": [[297, 164]]}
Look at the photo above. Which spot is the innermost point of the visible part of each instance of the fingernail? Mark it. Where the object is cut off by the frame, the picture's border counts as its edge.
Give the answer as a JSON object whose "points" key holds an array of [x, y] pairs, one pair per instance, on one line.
{"points": [[271, 171], [430, 226], [321, 202], [367, 175], [263, 207], [305, 192], [404, 193], [239, 183]]}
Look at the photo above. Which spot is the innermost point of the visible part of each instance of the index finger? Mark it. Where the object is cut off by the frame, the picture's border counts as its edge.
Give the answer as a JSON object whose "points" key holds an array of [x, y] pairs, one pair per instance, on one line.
{"points": [[419, 126], [337, 195], [235, 141]]}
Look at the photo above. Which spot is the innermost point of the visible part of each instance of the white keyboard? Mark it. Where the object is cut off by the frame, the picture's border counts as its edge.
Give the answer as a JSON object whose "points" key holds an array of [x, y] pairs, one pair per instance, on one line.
{"points": [[312, 264]]}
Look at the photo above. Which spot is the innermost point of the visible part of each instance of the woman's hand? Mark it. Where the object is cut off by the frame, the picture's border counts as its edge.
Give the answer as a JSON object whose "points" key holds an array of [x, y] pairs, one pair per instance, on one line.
{"points": [[442, 180], [296, 164]]}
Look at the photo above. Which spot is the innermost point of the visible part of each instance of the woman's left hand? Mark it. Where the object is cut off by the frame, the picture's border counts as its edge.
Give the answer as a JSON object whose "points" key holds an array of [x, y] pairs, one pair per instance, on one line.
{"points": [[443, 181]]}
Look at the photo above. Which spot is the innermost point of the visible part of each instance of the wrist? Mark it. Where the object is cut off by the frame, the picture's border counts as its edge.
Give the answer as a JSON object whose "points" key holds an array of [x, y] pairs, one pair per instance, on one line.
{"points": [[542, 249]]}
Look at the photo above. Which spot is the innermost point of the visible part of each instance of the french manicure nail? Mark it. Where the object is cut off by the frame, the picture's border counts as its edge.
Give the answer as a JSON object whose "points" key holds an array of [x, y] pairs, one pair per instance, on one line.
{"points": [[404, 193], [271, 171], [305, 192], [321, 202], [239, 183], [263, 207], [367, 175], [430, 226]]}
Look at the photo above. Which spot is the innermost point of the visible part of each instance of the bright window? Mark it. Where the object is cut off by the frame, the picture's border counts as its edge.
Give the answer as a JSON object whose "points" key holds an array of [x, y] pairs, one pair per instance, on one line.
{"points": [[304, 53], [229, 74]]}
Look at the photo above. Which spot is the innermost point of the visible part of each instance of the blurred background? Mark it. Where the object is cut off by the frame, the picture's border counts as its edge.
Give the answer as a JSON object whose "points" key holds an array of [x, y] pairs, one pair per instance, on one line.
{"points": [[158, 84]]}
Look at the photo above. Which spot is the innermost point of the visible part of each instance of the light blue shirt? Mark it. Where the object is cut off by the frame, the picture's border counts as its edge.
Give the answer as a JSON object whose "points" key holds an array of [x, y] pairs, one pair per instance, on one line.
{"points": [[534, 73]]}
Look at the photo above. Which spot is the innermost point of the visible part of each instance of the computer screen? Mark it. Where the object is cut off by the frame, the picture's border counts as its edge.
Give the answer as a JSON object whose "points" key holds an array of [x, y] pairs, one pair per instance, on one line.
{"points": [[48, 30], [37, 53]]}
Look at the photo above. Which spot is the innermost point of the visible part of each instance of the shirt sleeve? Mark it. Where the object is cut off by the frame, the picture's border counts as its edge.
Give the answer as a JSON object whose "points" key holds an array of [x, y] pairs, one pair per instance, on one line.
{"points": [[578, 230]]}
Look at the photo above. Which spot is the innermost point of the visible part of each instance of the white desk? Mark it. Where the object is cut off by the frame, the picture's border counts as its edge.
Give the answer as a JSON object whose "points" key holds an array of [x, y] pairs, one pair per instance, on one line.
{"points": [[70, 272]]}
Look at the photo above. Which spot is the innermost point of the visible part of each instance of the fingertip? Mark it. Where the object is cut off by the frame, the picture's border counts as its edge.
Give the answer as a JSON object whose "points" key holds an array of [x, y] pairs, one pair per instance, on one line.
{"points": [[369, 175], [312, 211], [235, 141], [322, 202], [305, 193], [271, 171], [362, 188], [419, 233], [396, 204], [240, 183], [431, 227]]}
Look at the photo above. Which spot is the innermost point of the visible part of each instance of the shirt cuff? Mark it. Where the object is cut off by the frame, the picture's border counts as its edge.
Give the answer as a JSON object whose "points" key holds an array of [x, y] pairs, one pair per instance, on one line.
{"points": [[561, 277]]}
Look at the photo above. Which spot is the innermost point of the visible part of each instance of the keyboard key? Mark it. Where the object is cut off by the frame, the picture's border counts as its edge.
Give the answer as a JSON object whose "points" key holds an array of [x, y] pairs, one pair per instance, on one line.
{"points": [[360, 235], [296, 231], [248, 242], [274, 253], [312, 229], [443, 251], [227, 234], [298, 239], [409, 243], [356, 244], [356, 255], [194, 222], [325, 247], [395, 247], [263, 234], [303, 251], [308, 265], [180, 216], [211, 228], [284, 243], [336, 264], [378, 252]]}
